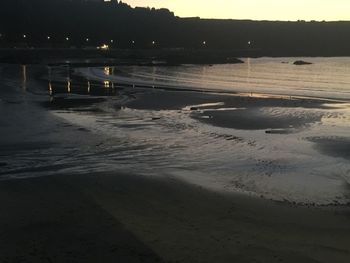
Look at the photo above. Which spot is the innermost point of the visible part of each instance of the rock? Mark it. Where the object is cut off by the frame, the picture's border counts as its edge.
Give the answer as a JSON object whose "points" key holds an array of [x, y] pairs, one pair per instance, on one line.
{"points": [[235, 61], [301, 62]]}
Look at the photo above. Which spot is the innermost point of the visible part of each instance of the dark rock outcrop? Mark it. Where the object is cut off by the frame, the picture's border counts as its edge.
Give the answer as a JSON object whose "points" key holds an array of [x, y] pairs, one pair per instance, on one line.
{"points": [[301, 62]]}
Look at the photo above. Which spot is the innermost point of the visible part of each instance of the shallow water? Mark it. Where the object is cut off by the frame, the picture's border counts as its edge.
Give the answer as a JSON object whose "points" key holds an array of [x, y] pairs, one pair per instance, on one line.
{"points": [[285, 151], [325, 78], [272, 151]]}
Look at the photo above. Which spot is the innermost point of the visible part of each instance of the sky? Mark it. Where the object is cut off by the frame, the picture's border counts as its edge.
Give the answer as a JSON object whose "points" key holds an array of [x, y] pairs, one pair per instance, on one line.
{"points": [[289, 10]]}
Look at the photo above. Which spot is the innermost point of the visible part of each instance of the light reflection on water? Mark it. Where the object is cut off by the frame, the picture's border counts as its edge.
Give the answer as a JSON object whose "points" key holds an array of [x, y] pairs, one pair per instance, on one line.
{"points": [[61, 82], [24, 77], [105, 88], [68, 86], [325, 78], [109, 71]]}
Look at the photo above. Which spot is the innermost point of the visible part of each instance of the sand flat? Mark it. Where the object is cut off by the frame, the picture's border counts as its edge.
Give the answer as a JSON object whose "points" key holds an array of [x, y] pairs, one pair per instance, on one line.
{"points": [[100, 217]]}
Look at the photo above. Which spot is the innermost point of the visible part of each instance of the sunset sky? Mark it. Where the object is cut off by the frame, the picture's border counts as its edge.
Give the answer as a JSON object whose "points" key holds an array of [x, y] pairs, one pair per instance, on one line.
{"points": [[255, 9]]}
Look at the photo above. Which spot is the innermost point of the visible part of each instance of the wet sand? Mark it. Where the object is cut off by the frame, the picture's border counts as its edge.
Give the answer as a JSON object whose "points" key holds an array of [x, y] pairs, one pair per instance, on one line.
{"points": [[128, 218], [50, 219]]}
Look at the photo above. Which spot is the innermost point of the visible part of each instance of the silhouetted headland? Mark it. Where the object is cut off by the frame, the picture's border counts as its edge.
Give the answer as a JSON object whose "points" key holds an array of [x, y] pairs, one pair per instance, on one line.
{"points": [[82, 26]]}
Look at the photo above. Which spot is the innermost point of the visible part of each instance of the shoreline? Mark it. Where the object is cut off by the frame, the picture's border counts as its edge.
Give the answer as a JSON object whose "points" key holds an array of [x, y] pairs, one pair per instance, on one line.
{"points": [[81, 57]]}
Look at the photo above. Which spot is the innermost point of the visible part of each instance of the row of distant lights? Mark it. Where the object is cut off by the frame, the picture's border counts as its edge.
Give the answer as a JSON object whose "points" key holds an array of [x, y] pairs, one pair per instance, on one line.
{"points": [[205, 43], [67, 39], [112, 41], [87, 39]]}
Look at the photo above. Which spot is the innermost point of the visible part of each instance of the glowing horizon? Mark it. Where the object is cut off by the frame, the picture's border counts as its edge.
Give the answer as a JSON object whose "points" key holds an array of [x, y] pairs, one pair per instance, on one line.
{"points": [[286, 10]]}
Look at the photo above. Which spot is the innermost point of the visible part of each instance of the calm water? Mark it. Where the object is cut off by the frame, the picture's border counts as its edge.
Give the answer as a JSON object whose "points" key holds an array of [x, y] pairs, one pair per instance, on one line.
{"points": [[103, 137], [282, 166], [326, 78]]}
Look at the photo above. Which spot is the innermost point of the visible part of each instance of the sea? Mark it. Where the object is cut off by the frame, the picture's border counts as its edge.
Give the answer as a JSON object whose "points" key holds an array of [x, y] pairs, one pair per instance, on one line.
{"points": [[92, 129]]}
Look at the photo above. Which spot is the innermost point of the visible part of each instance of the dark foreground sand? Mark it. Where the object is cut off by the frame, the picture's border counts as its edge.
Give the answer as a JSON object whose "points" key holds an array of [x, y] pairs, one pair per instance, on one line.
{"points": [[124, 218]]}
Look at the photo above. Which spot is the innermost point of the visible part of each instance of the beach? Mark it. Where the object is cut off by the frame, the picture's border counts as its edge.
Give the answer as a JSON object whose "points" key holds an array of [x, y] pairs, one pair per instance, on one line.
{"points": [[132, 219], [112, 172]]}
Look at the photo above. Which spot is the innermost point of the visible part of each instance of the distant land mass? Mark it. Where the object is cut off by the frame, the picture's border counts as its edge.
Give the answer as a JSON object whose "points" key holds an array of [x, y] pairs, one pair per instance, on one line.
{"points": [[84, 23]]}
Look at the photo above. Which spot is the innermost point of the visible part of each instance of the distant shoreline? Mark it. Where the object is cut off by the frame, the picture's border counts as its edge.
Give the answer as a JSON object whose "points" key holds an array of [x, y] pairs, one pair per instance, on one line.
{"points": [[144, 57]]}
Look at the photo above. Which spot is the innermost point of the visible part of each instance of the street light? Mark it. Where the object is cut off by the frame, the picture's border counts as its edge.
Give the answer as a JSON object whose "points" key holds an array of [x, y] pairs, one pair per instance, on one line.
{"points": [[87, 39], [104, 47], [67, 38], [48, 37], [24, 36], [204, 43]]}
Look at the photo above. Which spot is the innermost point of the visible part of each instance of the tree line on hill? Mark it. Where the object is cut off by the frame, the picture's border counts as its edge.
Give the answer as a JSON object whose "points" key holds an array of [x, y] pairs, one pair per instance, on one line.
{"points": [[83, 23]]}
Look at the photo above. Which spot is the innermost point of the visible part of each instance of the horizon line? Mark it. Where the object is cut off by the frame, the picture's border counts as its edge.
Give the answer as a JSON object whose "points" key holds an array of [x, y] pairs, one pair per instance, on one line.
{"points": [[260, 20]]}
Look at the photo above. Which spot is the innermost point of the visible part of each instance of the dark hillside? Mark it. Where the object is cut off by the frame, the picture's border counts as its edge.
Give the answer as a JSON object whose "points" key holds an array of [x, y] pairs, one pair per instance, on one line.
{"points": [[101, 22]]}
